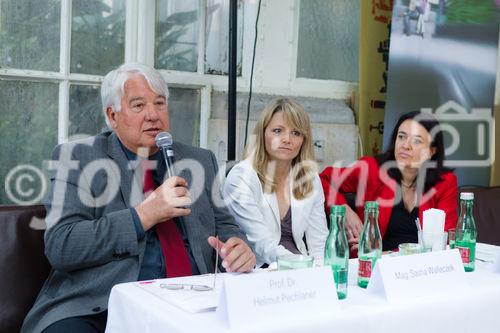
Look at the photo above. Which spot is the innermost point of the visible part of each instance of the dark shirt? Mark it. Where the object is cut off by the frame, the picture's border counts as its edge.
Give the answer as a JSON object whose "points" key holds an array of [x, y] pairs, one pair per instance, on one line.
{"points": [[401, 228], [153, 263], [286, 233]]}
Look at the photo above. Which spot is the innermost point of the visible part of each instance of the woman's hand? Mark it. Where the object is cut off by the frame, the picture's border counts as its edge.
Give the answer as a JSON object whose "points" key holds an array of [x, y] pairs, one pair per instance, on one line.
{"points": [[353, 227]]}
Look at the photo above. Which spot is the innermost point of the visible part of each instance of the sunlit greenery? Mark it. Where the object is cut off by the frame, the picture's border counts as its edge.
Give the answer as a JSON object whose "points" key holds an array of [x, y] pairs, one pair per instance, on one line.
{"points": [[472, 11]]}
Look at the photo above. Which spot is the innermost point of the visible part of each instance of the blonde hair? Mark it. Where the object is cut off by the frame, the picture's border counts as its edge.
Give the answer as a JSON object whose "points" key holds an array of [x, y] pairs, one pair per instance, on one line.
{"points": [[303, 165]]}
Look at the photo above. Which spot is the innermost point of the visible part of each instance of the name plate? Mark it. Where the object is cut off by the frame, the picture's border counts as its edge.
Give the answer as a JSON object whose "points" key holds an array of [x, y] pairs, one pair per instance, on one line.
{"points": [[419, 275], [249, 299]]}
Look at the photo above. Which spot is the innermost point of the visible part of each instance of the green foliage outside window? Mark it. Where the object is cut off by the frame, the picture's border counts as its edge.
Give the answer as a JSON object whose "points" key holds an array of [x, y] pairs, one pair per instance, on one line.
{"points": [[97, 36], [29, 34]]}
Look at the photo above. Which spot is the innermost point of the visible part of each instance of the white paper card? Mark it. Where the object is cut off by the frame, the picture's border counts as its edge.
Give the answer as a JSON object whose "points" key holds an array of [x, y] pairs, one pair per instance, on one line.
{"points": [[433, 220], [276, 296], [420, 275]]}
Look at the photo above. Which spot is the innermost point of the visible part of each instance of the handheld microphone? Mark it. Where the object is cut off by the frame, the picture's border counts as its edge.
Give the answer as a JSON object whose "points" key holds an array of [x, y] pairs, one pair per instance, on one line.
{"points": [[164, 142]]}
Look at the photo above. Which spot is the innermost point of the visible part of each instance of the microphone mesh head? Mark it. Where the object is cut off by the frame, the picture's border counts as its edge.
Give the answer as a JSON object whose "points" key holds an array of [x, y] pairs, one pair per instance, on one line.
{"points": [[163, 139]]}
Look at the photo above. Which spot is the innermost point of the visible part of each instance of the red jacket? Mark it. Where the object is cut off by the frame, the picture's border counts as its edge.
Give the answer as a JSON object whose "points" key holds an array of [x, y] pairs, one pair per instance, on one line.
{"points": [[370, 183]]}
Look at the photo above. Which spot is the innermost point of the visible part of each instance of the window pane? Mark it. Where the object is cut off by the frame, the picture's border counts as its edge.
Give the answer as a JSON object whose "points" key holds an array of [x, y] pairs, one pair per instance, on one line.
{"points": [[29, 34], [85, 111], [217, 37], [97, 36], [184, 109], [28, 133], [176, 41], [328, 40]]}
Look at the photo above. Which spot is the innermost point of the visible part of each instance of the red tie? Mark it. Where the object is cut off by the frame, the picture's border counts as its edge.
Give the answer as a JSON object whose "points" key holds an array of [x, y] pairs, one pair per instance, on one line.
{"points": [[172, 246]]}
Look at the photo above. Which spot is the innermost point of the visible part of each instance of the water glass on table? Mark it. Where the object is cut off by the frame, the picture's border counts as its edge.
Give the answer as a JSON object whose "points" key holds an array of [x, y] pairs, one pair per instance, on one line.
{"points": [[451, 238], [406, 249], [432, 241], [294, 261]]}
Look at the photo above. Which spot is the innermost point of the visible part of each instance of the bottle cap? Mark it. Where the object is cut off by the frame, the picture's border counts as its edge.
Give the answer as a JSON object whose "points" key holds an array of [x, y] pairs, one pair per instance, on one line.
{"points": [[467, 196], [371, 205], [337, 209]]}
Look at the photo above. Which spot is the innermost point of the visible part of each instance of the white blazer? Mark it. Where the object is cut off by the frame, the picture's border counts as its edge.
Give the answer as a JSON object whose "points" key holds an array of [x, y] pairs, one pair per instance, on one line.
{"points": [[258, 215]]}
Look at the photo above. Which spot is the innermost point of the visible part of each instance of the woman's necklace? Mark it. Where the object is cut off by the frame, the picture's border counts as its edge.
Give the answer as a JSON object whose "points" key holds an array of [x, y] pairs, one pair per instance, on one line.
{"points": [[410, 185], [409, 195]]}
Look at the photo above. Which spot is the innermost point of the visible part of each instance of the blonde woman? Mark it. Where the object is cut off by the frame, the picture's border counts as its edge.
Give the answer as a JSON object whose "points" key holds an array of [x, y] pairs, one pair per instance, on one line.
{"points": [[275, 193]]}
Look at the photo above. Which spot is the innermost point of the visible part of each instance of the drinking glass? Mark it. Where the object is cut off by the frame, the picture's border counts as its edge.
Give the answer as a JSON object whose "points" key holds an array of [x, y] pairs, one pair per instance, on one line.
{"points": [[451, 238], [432, 241], [406, 249], [294, 261]]}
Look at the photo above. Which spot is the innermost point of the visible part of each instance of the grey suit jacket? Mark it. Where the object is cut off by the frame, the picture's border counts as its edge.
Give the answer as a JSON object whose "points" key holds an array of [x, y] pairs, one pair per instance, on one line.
{"points": [[91, 241]]}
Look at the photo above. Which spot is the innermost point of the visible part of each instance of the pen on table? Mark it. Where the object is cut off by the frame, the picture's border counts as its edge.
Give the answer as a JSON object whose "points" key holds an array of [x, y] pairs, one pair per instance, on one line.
{"points": [[216, 261]]}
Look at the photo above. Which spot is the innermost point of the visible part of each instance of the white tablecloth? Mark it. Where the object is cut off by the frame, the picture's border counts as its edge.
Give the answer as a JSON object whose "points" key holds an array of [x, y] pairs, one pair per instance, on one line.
{"points": [[132, 309]]}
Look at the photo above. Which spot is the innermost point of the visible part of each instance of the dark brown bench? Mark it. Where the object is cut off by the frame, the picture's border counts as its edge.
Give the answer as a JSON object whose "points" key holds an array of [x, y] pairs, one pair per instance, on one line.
{"points": [[23, 265], [486, 212]]}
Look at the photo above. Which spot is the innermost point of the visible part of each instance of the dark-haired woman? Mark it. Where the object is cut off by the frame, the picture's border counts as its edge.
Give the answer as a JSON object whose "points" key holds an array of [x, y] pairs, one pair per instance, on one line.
{"points": [[406, 180]]}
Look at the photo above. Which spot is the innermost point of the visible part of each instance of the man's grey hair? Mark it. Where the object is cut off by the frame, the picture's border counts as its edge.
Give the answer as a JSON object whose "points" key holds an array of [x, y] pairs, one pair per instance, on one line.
{"points": [[113, 85]]}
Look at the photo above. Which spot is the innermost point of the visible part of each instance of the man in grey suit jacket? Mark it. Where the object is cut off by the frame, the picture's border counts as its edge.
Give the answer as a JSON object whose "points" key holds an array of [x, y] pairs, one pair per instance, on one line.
{"points": [[101, 229]]}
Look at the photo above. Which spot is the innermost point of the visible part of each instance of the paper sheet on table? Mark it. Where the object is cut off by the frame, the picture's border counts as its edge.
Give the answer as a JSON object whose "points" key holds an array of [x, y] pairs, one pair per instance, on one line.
{"points": [[486, 252], [188, 300]]}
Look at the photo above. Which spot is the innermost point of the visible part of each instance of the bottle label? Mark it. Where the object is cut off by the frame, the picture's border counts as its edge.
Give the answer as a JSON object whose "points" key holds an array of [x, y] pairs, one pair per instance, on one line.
{"points": [[464, 253], [365, 268]]}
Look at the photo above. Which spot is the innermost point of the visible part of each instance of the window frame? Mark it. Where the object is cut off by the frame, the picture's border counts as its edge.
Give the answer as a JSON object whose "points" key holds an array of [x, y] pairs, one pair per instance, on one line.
{"points": [[140, 46]]}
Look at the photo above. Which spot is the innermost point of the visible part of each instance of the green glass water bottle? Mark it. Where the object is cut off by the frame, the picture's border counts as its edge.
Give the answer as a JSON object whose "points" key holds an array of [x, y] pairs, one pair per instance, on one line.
{"points": [[466, 234], [370, 244], [337, 250]]}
